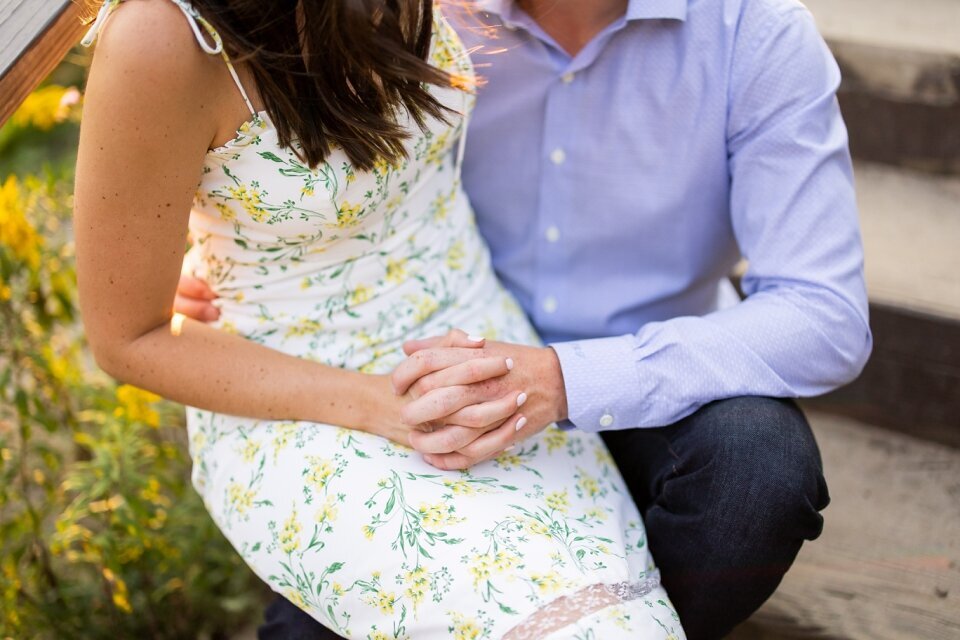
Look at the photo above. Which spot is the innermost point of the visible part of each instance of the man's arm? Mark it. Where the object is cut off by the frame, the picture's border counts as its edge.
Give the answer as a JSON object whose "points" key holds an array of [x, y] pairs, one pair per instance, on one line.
{"points": [[803, 328]]}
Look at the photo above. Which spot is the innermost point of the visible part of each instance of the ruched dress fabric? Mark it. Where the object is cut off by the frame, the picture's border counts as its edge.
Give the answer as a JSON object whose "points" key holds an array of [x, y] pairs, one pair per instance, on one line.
{"points": [[341, 266]]}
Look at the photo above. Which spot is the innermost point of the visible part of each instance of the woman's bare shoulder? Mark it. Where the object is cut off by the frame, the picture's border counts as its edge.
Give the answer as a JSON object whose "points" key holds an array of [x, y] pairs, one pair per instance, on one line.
{"points": [[152, 40]]}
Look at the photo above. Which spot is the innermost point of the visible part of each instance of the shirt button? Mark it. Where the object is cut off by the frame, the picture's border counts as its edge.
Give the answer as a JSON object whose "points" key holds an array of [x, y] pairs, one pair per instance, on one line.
{"points": [[606, 420], [567, 78], [553, 234], [558, 156], [550, 304]]}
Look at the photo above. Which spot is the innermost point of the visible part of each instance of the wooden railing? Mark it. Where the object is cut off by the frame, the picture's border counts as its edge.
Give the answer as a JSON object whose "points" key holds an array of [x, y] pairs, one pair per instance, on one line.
{"points": [[35, 35]]}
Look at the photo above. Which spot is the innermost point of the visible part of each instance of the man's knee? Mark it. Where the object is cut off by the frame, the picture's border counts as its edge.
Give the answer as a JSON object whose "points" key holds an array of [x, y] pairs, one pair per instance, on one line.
{"points": [[765, 454]]}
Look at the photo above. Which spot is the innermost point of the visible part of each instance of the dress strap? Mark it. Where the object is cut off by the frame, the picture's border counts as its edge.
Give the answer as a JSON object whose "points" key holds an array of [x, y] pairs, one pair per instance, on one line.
{"points": [[202, 29]]}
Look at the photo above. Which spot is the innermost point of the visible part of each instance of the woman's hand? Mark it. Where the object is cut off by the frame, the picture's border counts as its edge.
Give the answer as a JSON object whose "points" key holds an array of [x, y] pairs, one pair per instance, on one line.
{"points": [[436, 377]]}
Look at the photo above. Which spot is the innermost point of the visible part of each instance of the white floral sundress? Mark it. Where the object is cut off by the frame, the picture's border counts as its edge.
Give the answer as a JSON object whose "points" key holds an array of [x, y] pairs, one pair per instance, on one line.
{"points": [[341, 266]]}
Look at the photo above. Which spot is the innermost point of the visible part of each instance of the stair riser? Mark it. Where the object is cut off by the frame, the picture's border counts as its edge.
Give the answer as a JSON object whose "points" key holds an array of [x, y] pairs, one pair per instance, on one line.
{"points": [[901, 107]]}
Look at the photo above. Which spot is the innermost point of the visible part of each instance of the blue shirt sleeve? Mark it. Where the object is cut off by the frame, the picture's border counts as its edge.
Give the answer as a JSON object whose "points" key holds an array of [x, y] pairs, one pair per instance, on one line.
{"points": [[803, 328]]}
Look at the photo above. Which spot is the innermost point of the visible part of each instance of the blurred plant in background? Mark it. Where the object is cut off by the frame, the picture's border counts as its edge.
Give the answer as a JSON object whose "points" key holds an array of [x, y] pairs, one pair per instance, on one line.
{"points": [[101, 534]]}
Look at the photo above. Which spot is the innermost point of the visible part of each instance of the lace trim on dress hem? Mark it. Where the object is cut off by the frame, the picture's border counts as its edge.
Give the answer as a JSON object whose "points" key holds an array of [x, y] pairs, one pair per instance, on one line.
{"points": [[567, 610]]}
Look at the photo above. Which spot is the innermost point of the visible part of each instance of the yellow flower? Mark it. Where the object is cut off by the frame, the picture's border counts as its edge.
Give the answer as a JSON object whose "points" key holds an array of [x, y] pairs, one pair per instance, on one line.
{"points": [[455, 256], [135, 404], [295, 597], [250, 450], [460, 487], [437, 149], [588, 485], [319, 472], [226, 213], [464, 628], [433, 517], [240, 498], [535, 527], [290, 534], [426, 308], [596, 513], [385, 601], [556, 439], [368, 532], [603, 456], [307, 191], [379, 635], [348, 215], [249, 197], [479, 568], [396, 270], [360, 294], [328, 511], [441, 206], [16, 232], [505, 560], [508, 460], [558, 500], [548, 582], [47, 107], [305, 327], [337, 589]]}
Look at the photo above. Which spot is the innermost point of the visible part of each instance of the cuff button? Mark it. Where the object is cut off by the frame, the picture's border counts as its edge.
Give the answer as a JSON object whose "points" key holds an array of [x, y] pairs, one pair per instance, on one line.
{"points": [[606, 420]]}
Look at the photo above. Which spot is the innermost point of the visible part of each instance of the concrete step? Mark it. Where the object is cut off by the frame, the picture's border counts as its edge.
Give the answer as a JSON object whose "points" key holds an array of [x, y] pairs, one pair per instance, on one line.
{"points": [[911, 233], [887, 565], [901, 89]]}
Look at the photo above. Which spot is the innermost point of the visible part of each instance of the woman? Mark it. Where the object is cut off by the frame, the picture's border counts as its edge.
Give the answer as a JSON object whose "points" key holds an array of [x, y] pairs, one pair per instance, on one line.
{"points": [[332, 224]]}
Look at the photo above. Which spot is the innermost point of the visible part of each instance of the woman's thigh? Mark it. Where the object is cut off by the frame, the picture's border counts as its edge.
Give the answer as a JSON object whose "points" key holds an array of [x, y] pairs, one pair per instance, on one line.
{"points": [[369, 539]]}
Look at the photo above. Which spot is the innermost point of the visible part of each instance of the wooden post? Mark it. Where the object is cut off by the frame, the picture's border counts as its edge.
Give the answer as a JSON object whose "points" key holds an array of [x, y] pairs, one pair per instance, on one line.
{"points": [[35, 35]]}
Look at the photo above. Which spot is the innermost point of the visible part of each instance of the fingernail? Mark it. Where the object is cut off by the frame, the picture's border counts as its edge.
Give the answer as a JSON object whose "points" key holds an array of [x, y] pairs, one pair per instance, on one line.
{"points": [[475, 338], [521, 423], [521, 399], [509, 364]]}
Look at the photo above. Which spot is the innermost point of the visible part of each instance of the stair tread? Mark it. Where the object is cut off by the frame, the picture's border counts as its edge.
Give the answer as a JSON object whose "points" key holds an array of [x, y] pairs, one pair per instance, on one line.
{"points": [[919, 25], [887, 565], [911, 235]]}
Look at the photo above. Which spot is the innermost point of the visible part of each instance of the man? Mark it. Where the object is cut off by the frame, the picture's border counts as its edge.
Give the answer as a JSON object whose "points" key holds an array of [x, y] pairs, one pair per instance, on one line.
{"points": [[623, 155]]}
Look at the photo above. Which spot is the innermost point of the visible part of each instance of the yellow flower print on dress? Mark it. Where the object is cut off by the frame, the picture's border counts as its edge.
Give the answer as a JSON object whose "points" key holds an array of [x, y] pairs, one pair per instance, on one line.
{"points": [[559, 501], [250, 450], [241, 498], [319, 472], [455, 256], [548, 583], [464, 628], [327, 513], [290, 534], [348, 215], [555, 439], [396, 270], [360, 294], [249, 198]]}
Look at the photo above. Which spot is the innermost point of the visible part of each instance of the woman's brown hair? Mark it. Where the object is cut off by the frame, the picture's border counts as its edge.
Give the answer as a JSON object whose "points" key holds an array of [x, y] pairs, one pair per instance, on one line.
{"points": [[336, 73]]}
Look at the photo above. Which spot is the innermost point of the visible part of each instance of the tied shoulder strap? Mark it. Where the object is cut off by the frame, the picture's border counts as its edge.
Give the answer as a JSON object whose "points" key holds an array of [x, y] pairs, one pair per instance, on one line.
{"points": [[198, 24]]}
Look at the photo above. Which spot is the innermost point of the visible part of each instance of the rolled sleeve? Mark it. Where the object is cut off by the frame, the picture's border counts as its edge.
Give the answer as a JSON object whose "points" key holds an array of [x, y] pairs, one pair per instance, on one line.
{"points": [[601, 382]]}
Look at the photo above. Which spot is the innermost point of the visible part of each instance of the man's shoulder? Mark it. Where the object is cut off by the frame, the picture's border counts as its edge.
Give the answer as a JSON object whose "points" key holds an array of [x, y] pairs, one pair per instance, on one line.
{"points": [[759, 14]]}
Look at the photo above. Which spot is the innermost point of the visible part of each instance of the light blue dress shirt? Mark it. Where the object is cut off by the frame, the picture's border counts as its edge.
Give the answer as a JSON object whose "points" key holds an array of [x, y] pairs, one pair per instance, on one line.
{"points": [[618, 189]]}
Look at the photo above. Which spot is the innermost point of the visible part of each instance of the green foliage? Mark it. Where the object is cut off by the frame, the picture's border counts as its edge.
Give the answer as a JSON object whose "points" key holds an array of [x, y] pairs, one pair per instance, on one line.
{"points": [[101, 534]]}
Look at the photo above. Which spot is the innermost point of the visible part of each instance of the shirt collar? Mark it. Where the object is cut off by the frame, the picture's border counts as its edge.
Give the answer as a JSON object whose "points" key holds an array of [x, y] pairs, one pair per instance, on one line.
{"points": [[636, 9]]}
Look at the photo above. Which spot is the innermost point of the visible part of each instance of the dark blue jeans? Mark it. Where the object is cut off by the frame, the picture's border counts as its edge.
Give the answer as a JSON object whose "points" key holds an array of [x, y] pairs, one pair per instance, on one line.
{"points": [[728, 496]]}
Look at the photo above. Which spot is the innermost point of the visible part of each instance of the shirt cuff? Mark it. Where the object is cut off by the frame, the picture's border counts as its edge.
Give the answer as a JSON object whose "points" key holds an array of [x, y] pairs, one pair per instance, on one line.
{"points": [[601, 382]]}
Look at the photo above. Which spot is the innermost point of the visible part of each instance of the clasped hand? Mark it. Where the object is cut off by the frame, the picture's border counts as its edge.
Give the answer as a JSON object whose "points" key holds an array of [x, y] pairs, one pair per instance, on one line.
{"points": [[470, 399]]}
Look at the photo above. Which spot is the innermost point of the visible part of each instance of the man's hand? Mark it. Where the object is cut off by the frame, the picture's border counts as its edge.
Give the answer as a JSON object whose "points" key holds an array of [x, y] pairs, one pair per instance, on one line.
{"points": [[448, 386], [195, 299]]}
